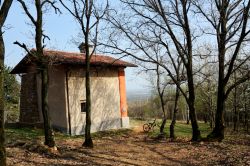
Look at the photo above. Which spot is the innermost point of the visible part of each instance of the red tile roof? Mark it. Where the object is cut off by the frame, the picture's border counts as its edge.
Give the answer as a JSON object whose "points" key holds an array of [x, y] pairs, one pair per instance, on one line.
{"points": [[70, 58]]}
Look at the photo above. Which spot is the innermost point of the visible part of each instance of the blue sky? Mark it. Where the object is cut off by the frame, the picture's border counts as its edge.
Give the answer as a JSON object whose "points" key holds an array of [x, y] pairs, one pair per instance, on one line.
{"points": [[61, 29]]}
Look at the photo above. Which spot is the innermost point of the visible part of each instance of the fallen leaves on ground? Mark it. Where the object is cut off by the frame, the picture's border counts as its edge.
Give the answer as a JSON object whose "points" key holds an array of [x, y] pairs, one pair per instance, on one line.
{"points": [[132, 148]]}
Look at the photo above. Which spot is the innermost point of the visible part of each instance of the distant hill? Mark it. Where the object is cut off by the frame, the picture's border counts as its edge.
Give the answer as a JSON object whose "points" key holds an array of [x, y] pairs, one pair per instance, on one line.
{"points": [[138, 95]]}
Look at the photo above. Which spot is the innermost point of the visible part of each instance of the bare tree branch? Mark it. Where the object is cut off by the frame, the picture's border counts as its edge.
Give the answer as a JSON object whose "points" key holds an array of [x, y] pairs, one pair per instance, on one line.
{"points": [[27, 12], [238, 82], [24, 47], [52, 3]]}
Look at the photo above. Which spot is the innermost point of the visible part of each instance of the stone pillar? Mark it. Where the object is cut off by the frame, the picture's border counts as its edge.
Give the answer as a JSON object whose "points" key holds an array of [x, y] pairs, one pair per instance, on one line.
{"points": [[123, 99]]}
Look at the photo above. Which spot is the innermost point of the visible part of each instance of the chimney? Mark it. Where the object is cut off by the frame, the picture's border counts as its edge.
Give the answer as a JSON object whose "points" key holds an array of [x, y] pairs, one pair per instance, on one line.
{"points": [[83, 50]]}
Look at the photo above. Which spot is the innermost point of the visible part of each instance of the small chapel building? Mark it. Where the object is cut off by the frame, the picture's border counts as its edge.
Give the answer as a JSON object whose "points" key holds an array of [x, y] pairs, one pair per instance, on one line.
{"points": [[66, 92]]}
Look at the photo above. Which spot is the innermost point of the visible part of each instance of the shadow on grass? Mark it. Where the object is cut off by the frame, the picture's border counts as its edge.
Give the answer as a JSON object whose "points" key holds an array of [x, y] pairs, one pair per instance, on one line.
{"points": [[22, 133]]}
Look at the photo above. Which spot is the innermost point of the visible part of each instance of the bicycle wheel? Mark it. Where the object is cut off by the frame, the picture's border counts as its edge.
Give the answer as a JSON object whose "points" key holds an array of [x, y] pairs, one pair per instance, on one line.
{"points": [[146, 128]]}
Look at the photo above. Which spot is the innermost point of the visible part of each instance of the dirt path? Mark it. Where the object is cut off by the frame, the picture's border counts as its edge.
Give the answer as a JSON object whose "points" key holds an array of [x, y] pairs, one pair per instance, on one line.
{"points": [[132, 148]]}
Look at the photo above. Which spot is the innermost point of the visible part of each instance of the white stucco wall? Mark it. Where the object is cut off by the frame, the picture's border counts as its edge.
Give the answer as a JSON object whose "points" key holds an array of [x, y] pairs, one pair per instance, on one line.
{"points": [[56, 97], [105, 100]]}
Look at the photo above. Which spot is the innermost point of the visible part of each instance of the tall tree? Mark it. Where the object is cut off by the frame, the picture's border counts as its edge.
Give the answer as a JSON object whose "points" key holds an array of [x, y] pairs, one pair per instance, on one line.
{"points": [[161, 92], [88, 16], [229, 22], [160, 84], [149, 22], [179, 79], [158, 78], [3, 15], [42, 63]]}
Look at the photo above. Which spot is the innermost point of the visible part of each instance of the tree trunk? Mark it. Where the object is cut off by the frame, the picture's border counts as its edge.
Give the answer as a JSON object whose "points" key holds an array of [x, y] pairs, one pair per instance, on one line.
{"points": [[48, 131], [161, 95], [235, 118], [236, 113], [163, 124], [218, 131], [172, 125], [246, 124], [211, 118], [3, 15], [211, 112], [196, 135], [187, 116], [246, 98], [88, 140], [2, 134], [164, 120]]}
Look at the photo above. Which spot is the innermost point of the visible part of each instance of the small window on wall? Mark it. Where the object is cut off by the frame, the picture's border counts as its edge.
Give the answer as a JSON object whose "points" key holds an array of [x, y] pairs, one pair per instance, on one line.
{"points": [[83, 106]]}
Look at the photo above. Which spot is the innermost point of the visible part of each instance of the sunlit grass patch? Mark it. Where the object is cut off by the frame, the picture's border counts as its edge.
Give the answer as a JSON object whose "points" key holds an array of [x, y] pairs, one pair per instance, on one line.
{"points": [[181, 129]]}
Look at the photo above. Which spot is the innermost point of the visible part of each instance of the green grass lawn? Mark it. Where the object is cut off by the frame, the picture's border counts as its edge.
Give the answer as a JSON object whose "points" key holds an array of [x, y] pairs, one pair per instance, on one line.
{"points": [[20, 133], [181, 128], [185, 130], [26, 133]]}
